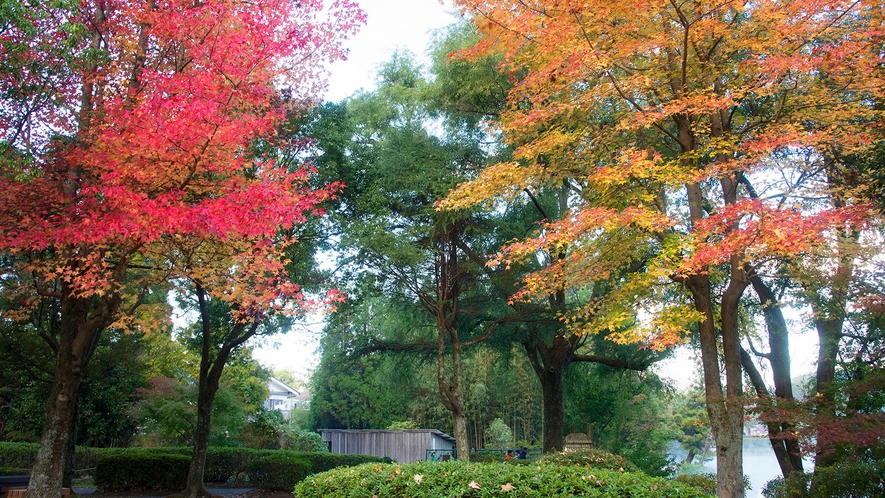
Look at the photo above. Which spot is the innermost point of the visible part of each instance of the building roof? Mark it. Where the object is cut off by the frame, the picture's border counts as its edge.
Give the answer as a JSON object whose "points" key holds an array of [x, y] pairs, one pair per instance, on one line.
{"points": [[304, 395], [435, 432], [280, 388]]}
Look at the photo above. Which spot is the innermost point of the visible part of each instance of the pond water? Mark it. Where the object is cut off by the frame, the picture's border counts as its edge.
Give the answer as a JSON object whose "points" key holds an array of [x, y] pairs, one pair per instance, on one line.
{"points": [[760, 464]]}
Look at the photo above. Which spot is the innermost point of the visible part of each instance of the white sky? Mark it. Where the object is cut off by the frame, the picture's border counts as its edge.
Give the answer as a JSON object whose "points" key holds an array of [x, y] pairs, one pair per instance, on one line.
{"points": [[391, 25]]}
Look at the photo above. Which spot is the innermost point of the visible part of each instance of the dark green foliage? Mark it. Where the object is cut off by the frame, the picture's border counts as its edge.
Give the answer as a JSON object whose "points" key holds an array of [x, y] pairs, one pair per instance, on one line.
{"points": [[321, 462], [435, 479], [706, 482], [625, 408], [688, 422], [18, 455], [261, 431], [350, 389], [141, 470], [592, 459], [222, 464], [843, 480], [10, 471], [278, 471], [294, 439]]}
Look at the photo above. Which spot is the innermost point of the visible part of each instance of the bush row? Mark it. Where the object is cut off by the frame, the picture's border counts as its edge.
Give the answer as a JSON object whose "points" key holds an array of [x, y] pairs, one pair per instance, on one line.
{"points": [[222, 464], [142, 470], [459, 479], [10, 471], [859, 479], [591, 459], [280, 470]]}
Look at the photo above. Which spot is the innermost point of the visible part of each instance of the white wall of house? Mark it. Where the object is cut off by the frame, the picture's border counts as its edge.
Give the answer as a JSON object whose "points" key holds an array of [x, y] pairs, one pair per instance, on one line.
{"points": [[282, 397]]}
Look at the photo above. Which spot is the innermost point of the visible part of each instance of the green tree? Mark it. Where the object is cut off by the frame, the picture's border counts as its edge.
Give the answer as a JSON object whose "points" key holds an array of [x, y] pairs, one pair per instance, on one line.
{"points": [[414, 253], [689, 424], [499, 434], [352, 388], [624, 411]]}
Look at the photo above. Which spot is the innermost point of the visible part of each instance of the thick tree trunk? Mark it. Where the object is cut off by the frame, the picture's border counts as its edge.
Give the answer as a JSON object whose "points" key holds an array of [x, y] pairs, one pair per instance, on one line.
{"points": [[78, 335], [829, 333], [450, 391], [47, 475], [462, 448], [459, 418], [554, 410], [549, 364]]}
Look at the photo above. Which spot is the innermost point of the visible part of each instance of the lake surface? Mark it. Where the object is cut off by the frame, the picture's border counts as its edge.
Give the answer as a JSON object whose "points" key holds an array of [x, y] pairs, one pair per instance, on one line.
{"points": [[760, 464]]}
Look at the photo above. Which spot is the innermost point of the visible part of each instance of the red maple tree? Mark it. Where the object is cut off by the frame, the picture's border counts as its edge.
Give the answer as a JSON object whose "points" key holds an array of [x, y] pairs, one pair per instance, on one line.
{"points": [[127, 132]]}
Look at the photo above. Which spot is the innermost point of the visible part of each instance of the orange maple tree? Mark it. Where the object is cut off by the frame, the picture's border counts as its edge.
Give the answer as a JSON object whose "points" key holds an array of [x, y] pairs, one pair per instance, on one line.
{"points": [[662, 118], [130, 145]]}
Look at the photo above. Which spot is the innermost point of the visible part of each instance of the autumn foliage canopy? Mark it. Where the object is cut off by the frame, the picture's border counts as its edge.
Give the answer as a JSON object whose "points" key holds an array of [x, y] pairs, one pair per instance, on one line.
{"points": [[634, 106], [129, 132]]}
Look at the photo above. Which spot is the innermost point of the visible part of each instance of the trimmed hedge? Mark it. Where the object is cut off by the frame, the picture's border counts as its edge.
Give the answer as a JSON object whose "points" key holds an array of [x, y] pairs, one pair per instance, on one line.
{"points": [[322, 461], [18, 455], [142, 470], [459, 479], [705, 481], [278, 472], [12, 471], [591, 459], [222, 464]]}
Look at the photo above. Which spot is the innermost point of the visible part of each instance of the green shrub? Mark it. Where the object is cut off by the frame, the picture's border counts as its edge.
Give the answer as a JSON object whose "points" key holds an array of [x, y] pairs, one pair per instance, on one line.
{"points": [[12, 471], [321, 462], [223, 464], [294, 439], [278, 472], [435, 479], [843, 480], [228, 464], [592, 459], [704, 481], [18, 455], [141, 470]]}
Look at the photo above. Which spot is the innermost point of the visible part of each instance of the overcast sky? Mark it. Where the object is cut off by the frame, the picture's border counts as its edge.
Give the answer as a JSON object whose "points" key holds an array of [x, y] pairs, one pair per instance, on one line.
{"points": [[391, 25]]}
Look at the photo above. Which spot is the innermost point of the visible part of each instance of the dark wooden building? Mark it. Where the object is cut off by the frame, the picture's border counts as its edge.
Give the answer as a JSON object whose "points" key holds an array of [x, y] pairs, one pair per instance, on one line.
{"points": [[407, 446]]}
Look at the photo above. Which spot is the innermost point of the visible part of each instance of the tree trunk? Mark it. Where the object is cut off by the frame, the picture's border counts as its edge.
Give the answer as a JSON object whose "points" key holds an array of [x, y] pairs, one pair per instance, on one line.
{"points": [[205, 399], [554, 410], [210, 379], [451, 392], [549, 364], [829, 333], [774, 429], [780, 434], [725, 409], [47, 475], [81, 325]]}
